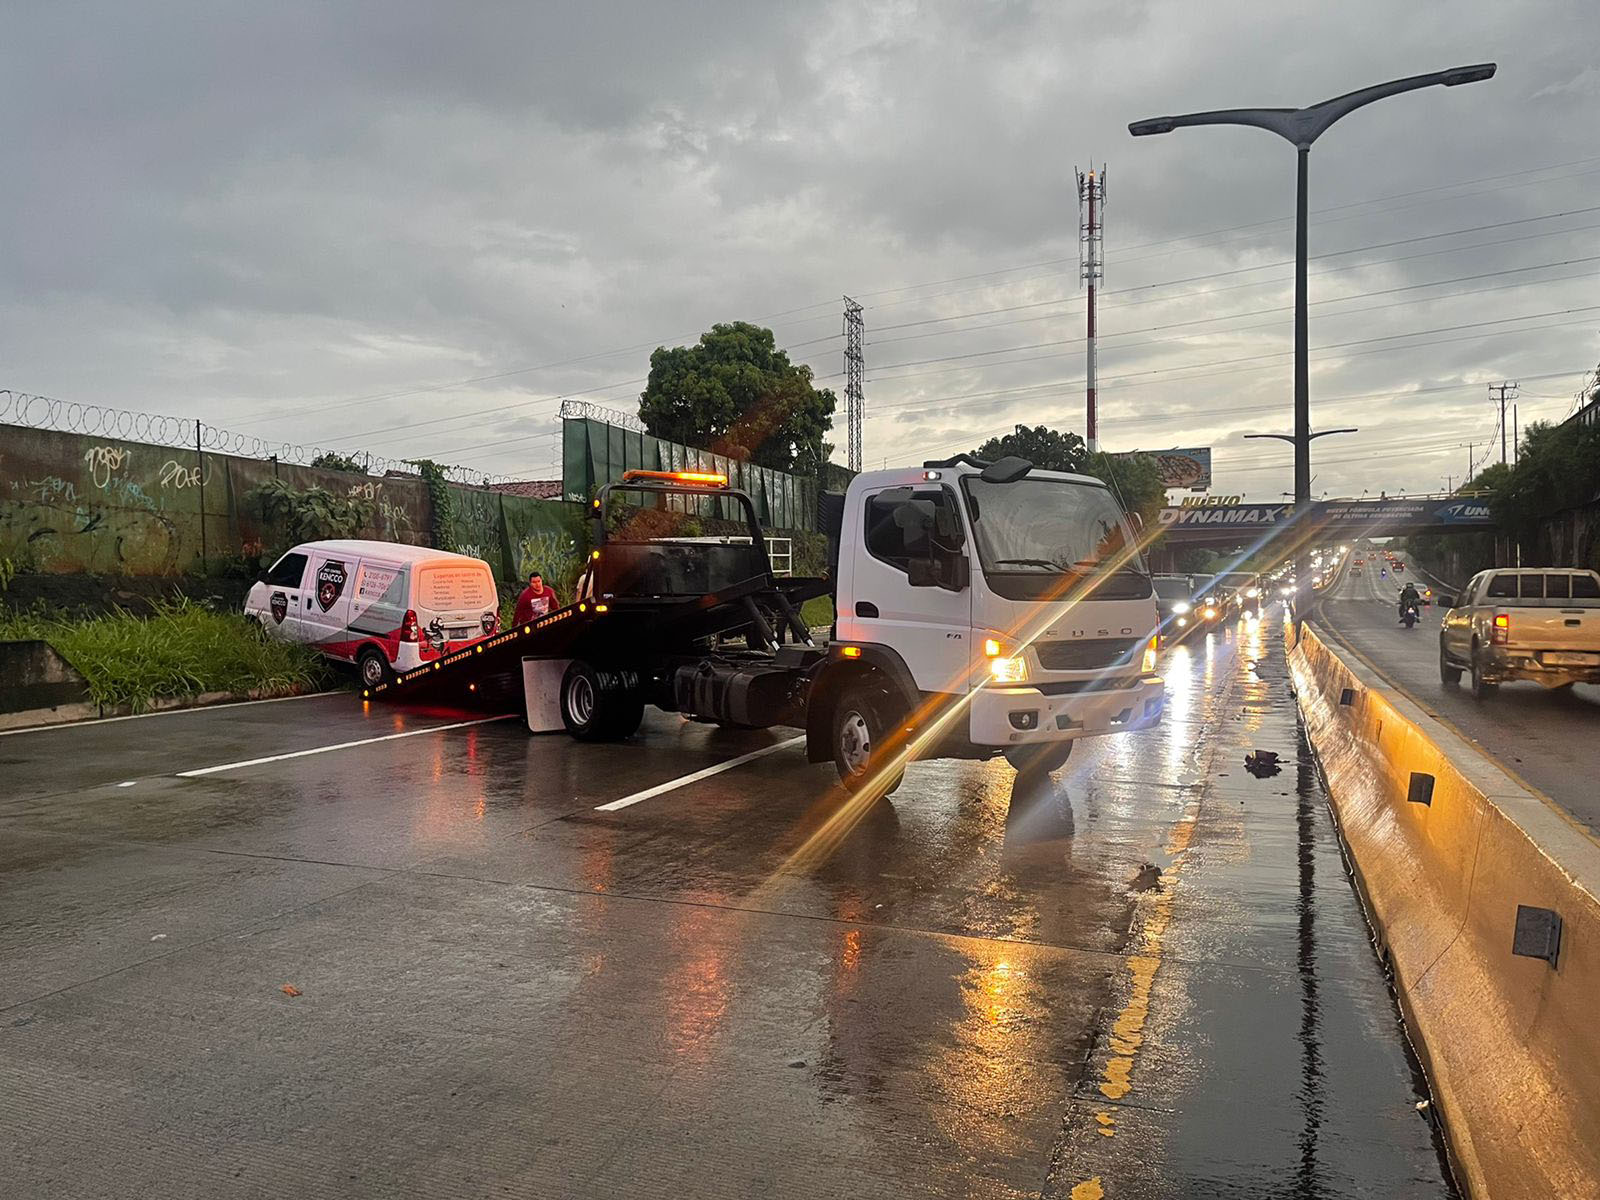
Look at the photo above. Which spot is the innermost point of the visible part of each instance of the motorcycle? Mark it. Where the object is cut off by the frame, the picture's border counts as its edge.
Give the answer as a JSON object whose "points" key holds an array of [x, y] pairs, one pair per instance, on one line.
{"points": [[1410, 614]]}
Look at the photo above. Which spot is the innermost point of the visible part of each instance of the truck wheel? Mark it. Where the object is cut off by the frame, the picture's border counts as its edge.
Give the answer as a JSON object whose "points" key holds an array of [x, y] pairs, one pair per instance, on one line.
{"points": [[1482, 689], [597, 706], [860, 729], [1449, 674], [1040, 758], [373, 666]]}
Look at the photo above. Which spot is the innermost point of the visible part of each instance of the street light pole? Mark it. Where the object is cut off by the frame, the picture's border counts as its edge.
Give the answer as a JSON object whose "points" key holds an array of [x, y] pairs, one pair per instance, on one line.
{"points": [[1302, 127]]}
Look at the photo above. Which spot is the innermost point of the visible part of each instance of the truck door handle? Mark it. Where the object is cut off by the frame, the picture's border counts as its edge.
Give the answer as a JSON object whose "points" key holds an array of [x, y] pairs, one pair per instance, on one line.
{"points": [[1572, 623], [866, 608]]}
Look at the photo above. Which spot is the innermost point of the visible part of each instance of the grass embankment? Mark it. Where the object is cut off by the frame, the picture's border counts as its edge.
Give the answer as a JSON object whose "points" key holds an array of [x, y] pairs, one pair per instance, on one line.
{"points": [[182, 650], [817, 612]]}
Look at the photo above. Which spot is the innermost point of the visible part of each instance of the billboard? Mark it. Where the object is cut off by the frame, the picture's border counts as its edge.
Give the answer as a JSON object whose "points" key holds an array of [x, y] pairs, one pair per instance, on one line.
{"points": [[1186, 468]]}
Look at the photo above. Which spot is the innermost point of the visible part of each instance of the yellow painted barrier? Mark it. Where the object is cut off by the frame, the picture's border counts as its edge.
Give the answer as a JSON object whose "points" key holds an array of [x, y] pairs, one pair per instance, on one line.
{"points": [[1511, 1043]]}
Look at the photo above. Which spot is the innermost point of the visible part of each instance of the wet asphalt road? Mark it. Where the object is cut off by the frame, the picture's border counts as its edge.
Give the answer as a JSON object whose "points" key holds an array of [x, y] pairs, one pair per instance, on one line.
{"points": [[1551, 740], [1149, 978]]}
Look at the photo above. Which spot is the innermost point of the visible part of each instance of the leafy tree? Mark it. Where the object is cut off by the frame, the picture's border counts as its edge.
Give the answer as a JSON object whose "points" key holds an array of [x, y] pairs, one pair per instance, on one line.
{"points": [[332, 461], [1135, 479], [1046, 448], [735, 393]]}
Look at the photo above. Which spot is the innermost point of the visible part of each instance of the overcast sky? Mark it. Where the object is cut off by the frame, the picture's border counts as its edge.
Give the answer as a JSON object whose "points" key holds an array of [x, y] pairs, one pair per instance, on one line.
{"points": [[406, 229]]}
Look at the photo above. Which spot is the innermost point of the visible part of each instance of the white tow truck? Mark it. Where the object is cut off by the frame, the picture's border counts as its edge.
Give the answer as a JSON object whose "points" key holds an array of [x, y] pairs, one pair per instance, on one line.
{"points": [[982, 609]]}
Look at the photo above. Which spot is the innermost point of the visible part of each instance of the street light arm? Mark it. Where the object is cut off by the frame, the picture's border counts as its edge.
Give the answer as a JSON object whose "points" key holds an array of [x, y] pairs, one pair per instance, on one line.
{"points": [[1277, 437], [1327, 432], [1302, 126], [1318, 117], [1276, 120]]}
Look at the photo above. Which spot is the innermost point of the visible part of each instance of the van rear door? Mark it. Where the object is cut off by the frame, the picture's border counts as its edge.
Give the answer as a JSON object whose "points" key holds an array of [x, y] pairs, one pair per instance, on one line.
{"points": [[452, 598]]}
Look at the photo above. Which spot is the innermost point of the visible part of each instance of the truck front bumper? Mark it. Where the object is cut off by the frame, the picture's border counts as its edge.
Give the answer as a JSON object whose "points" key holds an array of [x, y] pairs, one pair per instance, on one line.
{"points": [[1015, 716]]}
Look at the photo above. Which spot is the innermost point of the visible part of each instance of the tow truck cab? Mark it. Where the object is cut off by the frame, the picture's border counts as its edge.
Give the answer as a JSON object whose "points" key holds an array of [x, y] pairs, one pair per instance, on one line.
{"points": [[991, 609]]}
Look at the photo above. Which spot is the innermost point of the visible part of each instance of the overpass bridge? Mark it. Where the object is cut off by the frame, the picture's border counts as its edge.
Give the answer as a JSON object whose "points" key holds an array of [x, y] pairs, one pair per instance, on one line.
{"points": [[1238, 524]]}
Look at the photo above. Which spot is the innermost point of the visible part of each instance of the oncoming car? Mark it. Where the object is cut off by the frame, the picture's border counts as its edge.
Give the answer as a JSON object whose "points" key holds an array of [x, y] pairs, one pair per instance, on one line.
{"points": [[1177, 603], [385, 606]]}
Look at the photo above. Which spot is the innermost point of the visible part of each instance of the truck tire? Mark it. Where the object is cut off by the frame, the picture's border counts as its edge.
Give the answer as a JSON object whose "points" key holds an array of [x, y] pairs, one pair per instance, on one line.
{"points": [[596, 706], [1449, 673], [1040, 758], [861, 725], [1482, 689], [373, 667]]}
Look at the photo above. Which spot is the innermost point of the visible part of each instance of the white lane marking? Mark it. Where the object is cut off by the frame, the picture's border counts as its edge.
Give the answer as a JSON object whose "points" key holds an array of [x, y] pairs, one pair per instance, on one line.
{"points": [[168, 712], [388, 737], [672, 785]]}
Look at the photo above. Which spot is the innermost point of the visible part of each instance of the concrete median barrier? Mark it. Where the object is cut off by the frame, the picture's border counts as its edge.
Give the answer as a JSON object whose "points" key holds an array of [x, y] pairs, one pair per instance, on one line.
{"points": [[1486, 901]]}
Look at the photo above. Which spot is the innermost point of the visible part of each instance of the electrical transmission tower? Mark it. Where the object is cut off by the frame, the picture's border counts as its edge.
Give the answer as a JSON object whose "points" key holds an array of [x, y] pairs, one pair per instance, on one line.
{"points": [[1091, 267], [1506, 390], [853, 401]]}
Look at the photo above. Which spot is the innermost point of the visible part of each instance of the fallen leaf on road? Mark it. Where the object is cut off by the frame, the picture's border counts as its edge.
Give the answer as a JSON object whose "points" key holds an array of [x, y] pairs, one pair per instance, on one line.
{"points": [[289, 989]]}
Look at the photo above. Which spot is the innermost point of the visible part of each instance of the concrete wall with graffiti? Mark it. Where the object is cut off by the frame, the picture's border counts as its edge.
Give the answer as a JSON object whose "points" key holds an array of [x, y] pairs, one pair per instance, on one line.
{"points": [[72, 503]]}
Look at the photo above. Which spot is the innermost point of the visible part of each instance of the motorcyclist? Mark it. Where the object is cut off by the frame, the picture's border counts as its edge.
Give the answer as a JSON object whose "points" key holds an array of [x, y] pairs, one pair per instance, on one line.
{"points": [[1409, 597]]}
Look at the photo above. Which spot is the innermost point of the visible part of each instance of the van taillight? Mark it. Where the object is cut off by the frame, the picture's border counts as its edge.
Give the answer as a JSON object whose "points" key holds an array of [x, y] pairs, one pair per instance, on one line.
{"points": [[1502, 629], [408, 627]]}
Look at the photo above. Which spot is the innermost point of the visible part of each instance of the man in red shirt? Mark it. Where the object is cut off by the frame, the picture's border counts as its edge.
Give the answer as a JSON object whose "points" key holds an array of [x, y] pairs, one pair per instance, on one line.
{"points": [[535, 601]]}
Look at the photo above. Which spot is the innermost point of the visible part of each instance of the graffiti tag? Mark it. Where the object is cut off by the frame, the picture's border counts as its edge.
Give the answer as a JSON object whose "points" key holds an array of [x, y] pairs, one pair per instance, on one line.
{"points": [[104, 461], [175, 475]]}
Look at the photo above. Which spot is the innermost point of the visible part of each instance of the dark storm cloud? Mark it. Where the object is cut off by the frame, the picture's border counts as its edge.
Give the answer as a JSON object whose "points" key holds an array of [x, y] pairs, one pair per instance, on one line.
{"points": [[303, 219]]}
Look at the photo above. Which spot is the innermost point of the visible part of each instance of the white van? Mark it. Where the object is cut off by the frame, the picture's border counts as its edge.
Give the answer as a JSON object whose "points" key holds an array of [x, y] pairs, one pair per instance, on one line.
{"points": [[385, 606]]}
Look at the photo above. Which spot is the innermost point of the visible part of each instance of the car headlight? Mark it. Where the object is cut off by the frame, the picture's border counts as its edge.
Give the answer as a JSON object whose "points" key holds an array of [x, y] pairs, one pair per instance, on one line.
{"points": [[1182, 606], [1149, 664], [1253, 593], [1211, 614], [1183, 622], [1209, 600], [1008, 670]]}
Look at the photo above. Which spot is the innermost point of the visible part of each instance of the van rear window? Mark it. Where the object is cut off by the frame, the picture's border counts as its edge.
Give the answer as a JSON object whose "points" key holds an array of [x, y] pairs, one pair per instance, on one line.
{"points": [[447, 588]]}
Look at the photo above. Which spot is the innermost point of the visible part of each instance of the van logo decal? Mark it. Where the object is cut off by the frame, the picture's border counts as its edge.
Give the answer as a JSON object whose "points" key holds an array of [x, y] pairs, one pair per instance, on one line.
{"points": [[330, 584], [280, 607]]}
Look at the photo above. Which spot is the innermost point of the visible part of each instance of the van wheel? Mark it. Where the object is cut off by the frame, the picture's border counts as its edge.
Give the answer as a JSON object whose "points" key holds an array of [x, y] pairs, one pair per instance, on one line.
{"points": [[598, 706], [1449, 673], [373, 666], [1482, 689], [1040, 758], [861, 728]]}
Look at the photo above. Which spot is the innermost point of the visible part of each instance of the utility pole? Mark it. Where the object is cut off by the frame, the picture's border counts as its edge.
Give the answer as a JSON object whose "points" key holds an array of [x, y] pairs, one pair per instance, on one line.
{"points": [[853, 400], [1514, 437], [1501, 390], [1467, 478], [1091, 267]]}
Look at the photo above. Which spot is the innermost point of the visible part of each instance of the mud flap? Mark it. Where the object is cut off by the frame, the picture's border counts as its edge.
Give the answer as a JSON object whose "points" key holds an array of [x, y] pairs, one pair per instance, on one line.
{"points": [[541, 685]]}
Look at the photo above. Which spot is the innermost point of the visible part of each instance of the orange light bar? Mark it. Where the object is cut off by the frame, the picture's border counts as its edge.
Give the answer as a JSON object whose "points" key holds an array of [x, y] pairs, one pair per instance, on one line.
{"points": [[710, 478], [1502, 621]]}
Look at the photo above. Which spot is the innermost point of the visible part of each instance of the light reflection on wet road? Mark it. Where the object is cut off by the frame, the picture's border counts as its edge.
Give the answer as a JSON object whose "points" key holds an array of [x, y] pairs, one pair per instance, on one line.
{"points": [[1148, 976]]}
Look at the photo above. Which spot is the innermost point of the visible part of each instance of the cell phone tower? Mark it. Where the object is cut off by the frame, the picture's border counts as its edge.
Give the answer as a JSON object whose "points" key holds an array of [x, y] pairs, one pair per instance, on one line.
{"points": [[1091, 268], [854, 402]]}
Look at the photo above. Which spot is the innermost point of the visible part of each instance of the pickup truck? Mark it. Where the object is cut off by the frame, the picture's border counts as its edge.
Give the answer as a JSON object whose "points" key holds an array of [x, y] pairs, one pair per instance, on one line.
{"points": [[1536, 623]]}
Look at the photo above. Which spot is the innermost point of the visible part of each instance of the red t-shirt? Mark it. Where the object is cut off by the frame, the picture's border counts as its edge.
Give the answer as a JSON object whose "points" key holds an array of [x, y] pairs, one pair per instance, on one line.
{"points": [[535, 602]]}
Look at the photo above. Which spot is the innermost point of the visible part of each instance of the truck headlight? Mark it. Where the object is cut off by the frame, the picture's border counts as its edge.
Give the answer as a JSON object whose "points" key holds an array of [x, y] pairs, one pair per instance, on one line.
{"points": [[1181, 606], [1149, 664], [1008, 670], [1253, 593]]}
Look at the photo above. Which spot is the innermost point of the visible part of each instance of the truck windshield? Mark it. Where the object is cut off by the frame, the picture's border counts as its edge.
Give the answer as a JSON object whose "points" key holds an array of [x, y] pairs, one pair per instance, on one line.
{"points": [[1055, 527], [1169, 588]]}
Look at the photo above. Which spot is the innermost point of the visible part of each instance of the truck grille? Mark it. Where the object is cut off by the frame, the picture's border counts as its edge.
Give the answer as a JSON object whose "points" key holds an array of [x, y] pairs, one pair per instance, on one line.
{"points": [[1094, 655]]}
